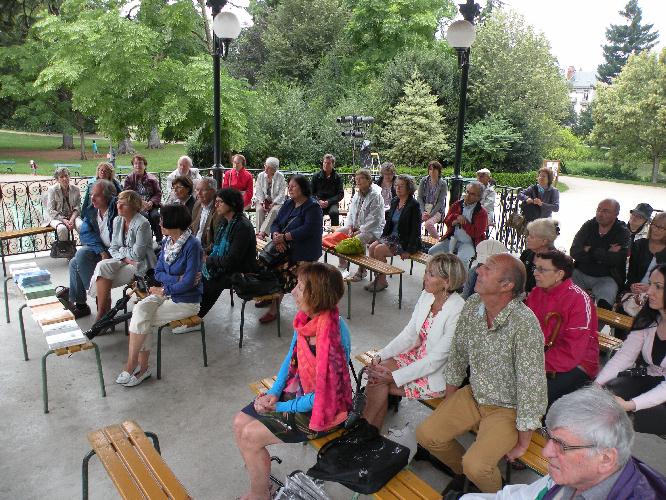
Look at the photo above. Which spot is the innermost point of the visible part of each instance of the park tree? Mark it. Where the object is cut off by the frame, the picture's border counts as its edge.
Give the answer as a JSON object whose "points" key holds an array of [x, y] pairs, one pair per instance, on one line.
{"points": [[513, 74], [625, 39], [379, 29], [415, 130], [488, 142], [630, 115]]}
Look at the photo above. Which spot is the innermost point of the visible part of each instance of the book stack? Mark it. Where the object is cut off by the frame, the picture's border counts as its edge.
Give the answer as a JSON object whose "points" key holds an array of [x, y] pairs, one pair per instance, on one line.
{"points": [[56, 322]]}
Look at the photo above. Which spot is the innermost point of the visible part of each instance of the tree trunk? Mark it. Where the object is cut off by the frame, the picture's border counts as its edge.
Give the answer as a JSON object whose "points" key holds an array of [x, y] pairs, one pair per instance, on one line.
{"points": [[655, 169], [154, 139], [82, 135], [204, 17], [125, 147], [67, 141]]}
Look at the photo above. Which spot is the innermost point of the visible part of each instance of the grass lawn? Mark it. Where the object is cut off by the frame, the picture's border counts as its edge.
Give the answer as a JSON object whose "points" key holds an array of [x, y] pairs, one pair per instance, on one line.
{"points": [[601, 169], [562, 187], [44, 150]]}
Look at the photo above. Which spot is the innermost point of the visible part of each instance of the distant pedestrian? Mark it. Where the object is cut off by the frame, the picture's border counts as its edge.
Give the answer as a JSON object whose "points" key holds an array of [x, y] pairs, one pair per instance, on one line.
{"points": [[94, 148], [33, 167]]}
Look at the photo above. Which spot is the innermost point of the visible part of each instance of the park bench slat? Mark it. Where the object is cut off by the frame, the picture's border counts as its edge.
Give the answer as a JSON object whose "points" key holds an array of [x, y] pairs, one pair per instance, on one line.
{"points": [[132, 461], [173, 487], [429, 240], [30, 231], [615, 319], [608, 343], [420, 257], [114, 466]]}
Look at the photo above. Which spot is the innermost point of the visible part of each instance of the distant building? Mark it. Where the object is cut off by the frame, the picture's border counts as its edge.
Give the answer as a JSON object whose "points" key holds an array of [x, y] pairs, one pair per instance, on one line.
{"points": [[581, 87]]}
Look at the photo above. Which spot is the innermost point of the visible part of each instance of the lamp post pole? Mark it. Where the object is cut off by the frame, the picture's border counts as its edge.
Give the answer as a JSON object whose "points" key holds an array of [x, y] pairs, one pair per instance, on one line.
{"points": [[216, 6], [470, 11]]}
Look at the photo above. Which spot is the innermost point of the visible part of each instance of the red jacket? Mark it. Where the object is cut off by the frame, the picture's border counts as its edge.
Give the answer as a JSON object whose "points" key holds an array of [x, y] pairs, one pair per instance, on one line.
{"points": [[577, 343], [240, 180], [476, 229]]}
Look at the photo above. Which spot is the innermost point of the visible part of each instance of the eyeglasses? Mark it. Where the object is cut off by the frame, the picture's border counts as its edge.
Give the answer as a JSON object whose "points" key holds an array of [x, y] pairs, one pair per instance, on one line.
{"points": [[218, 201], [542, 270], [658, 226], [562, 447]]}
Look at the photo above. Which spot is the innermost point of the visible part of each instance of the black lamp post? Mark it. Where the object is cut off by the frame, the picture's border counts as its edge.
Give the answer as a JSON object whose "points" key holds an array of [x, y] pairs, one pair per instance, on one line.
{"points": [[226, 28], [461, 35]]}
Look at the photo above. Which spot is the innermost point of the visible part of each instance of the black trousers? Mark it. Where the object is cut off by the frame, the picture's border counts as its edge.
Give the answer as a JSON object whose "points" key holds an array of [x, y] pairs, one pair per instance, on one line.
{"points": [[153, 217], [564, 383], [651, 420], [212, 289], [333, 212]]}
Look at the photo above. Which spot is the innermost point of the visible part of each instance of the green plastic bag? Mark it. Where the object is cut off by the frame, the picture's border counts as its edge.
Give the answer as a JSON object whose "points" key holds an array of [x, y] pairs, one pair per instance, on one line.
{"points": [[350, 246]]}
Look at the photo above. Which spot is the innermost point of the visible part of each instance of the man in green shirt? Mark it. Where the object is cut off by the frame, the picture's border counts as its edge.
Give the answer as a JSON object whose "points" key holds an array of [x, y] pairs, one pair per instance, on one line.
{"points": [[500, 340]]}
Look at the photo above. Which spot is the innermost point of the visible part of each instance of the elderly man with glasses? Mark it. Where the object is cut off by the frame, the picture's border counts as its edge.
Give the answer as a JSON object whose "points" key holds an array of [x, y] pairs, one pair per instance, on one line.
{"points": [[588, 448], [466, 225]]}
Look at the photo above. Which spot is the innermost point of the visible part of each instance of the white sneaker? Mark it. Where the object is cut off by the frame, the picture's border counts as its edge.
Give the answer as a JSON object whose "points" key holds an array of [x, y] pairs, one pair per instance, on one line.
{"points": [[344, 272], [125, 377], [134, 380], [185, 329]]}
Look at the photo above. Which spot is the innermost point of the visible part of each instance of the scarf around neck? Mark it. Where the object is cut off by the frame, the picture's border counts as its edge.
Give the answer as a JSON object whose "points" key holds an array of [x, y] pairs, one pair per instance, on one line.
{"points": [[173, 248], [324, 373]]}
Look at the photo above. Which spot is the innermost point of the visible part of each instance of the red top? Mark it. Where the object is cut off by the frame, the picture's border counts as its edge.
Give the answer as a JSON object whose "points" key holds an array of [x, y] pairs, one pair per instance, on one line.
{"points": [[577, 343], [476, 229], [241, 180]]}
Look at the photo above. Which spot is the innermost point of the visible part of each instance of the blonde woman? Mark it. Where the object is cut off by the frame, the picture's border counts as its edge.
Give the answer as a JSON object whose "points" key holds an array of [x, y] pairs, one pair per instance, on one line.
{"points": [[412, 365]]}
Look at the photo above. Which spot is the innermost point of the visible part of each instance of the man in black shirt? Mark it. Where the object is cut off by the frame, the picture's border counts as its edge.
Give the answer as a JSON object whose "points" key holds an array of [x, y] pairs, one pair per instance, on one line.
{"points": [[600, 250], [327, 188]]}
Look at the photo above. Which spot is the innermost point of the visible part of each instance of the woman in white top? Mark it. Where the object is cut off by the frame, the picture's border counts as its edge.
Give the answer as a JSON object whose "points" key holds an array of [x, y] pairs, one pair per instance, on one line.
{"points": [[62, 202], [412, 365], [185, 169], [270, 191], [643, 391]]}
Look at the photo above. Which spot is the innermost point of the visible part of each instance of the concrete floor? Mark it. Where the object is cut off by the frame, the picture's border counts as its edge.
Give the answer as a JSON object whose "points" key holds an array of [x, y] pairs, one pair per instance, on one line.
{"points": [[191, 408]]}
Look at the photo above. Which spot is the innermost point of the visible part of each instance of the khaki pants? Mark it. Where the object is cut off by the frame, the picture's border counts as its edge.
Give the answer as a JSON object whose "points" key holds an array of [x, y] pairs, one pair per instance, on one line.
{"points": [[496, 436]]}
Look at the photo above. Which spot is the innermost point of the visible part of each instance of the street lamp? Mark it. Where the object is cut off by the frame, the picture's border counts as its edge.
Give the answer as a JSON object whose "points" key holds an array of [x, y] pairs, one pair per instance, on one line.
{"points": [[226, 28], [461, 35]]}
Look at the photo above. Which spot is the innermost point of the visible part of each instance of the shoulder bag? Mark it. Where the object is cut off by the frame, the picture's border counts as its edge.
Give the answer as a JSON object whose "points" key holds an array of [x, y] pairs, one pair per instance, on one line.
{"points": [[63, 249]]}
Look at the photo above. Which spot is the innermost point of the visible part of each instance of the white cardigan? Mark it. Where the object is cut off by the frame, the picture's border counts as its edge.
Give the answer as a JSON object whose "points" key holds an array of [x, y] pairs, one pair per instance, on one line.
{"points": [[278, 189], [438, 341], [371, 212]]}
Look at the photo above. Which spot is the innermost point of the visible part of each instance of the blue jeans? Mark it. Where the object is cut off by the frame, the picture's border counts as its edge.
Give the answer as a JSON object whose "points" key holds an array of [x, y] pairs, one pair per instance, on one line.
{"points": [[81, 269]]}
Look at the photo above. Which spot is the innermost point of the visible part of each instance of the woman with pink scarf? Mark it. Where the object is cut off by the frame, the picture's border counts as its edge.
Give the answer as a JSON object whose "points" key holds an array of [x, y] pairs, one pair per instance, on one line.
{"points": [[312, 393]]}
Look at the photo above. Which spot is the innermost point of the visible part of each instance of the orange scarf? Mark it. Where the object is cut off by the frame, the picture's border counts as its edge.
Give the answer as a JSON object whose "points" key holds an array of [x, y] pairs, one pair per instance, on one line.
{"points": [[325, 374]]}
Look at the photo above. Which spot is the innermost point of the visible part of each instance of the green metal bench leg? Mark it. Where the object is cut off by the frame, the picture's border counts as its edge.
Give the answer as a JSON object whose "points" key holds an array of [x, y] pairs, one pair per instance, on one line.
{"points": [[349, 300], [159, 352], [45, 390], [411, 267], [6, 299], [22, 330], [203, 344], [374, 294], [99, 369], [400, 293], [84, 474], [240, 341]]}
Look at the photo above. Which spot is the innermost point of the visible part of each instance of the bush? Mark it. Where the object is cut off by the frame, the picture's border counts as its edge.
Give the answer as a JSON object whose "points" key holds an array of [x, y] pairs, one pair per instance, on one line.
{"points": [[603, 169]]}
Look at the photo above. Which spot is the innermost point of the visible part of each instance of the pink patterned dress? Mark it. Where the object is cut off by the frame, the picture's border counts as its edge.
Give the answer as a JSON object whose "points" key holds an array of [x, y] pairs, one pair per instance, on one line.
{"points": [[418, 389]]}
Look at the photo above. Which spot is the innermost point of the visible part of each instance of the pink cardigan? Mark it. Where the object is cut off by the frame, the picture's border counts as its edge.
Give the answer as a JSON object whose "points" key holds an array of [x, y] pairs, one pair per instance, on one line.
{"points": [[638, 341]]}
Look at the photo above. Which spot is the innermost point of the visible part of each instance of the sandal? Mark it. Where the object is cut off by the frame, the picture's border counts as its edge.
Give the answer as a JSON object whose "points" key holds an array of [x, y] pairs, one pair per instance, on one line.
{"points": [[268, 318], [370, 287]]}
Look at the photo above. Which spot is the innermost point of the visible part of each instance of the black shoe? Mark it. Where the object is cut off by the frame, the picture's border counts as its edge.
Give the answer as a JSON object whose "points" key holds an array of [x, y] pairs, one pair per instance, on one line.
{"points": [[62, 293], [80, 310]]}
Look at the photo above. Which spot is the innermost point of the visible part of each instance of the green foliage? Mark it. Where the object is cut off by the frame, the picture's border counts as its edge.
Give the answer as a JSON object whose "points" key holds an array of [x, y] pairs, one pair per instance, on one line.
{"points": [[415, 128], [379, 29], [566, 147], [584, 122], [601, 169], [298, 34], [488, 142], [624, 40], [630, 115], [514, 75]]}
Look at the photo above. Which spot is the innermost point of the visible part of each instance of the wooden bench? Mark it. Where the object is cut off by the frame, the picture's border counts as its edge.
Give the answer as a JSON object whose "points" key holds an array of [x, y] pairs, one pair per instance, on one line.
{"points": [[532, 458], [271, 297], [75, 166], [133, 463], [615, 319], [420, 257], [609, 344], [8, 165], [429, 241], [20, 233], [403, 486], [190, 322], [374, 266]]}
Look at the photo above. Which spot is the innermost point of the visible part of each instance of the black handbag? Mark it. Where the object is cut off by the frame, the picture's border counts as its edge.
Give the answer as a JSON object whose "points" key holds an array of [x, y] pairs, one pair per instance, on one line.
{"points": [[249, 285], [63, 249], [270, 256], [362, 459]]}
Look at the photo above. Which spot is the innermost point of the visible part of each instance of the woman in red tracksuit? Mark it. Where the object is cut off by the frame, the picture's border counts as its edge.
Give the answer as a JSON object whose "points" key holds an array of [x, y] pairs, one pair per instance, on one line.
{"points": [[568, 319]]}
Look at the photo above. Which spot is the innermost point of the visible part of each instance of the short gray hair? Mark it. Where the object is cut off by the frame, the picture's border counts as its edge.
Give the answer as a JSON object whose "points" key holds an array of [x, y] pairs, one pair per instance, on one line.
{"points": [[593, 415], [60, 171], [210, 181], [108, 189], [272, 162], [548, 229], [189, 160], [479, 185], [409, 182]]}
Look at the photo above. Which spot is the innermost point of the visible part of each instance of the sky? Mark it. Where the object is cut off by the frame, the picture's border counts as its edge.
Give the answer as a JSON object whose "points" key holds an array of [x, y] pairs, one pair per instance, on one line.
{"points": [[576, 29]]}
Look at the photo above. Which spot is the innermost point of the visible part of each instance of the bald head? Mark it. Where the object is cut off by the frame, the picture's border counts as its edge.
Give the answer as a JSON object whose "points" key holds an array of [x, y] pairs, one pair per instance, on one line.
{"points": [[607, 212], [502, 276]]}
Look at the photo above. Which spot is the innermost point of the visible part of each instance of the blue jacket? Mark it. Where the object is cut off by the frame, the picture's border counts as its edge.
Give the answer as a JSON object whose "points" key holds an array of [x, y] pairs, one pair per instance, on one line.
{"points": [[178, 277], [306, 229], [304, 403], [90, 230]]}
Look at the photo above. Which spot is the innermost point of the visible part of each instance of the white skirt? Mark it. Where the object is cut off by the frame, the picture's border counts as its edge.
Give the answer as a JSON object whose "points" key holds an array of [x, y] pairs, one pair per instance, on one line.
{"points": [[118, 272]]}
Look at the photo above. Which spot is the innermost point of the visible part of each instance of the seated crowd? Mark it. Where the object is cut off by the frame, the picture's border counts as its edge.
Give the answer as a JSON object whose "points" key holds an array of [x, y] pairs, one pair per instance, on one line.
{"points": [[519, 344]]}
